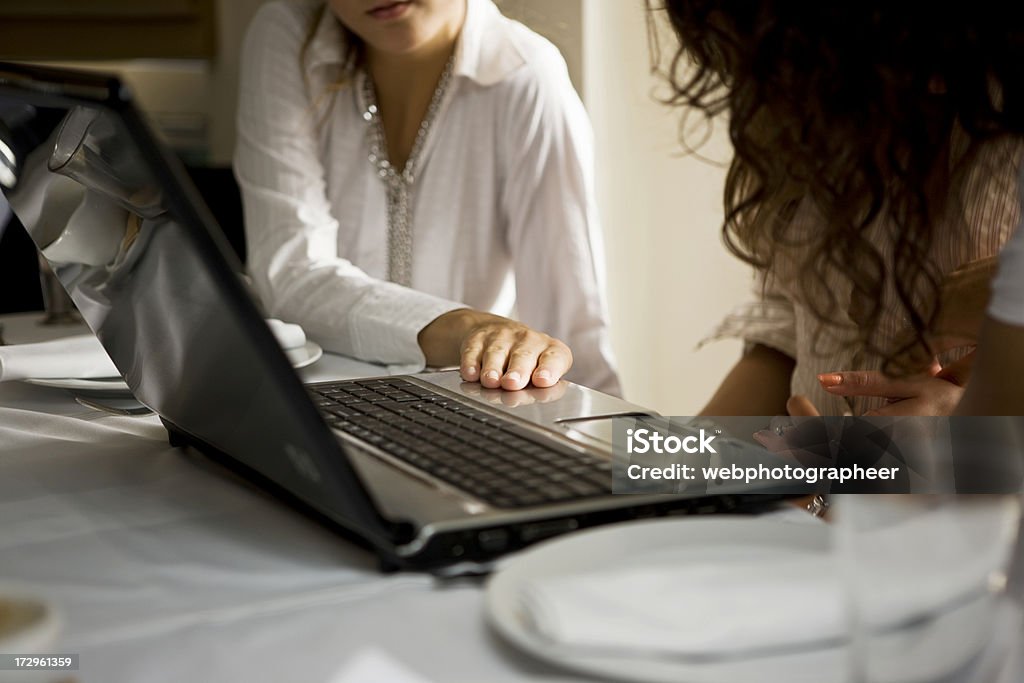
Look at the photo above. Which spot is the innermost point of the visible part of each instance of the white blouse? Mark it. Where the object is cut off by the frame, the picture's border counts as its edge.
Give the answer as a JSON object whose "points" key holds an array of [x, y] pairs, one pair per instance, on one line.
{"points": [[1007, 302], [503, 210]]}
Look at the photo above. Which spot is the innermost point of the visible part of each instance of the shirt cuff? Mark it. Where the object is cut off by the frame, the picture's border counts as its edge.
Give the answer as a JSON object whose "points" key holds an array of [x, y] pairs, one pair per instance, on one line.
{"points": [[769, 323], [385, 324]]}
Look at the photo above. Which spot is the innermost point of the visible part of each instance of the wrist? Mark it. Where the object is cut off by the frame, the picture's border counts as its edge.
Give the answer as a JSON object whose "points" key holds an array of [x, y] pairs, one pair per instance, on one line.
{"points": [[441, 339]]}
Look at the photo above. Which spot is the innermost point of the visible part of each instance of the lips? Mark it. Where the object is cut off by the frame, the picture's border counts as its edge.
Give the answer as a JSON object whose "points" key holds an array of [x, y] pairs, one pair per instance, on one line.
{"points": [[390, 10]]}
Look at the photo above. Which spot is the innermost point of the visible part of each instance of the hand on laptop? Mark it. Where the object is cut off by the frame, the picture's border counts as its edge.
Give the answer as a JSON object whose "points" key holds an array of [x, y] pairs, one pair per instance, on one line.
{"points": [[495, 351]]}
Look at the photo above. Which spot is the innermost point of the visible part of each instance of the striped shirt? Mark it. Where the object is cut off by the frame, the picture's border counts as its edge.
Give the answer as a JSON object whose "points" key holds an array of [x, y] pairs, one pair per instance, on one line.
{"points": [[978, 224]]}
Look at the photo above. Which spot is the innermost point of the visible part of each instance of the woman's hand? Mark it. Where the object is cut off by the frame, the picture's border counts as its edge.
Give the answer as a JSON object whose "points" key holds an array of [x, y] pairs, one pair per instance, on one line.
{"points": [[936, 392], [802, 440], [495, 351]]}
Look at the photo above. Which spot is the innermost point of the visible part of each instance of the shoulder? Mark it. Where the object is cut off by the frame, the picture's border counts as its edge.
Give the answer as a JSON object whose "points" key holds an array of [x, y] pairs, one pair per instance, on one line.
{"points": [[538, 88], [282, 25], [272, 51], [544, 71], [503, 58], [538, 53]]}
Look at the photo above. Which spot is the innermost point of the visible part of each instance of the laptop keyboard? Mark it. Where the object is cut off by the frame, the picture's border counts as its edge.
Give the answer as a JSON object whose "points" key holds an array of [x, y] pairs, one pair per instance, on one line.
{"points": [[488, 457]]}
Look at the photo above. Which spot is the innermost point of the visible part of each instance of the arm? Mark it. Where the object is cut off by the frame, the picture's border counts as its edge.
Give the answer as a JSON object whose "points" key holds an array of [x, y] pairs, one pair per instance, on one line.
{"points": [[996, 386], [757, 385], [548, 203], [291, 235]]}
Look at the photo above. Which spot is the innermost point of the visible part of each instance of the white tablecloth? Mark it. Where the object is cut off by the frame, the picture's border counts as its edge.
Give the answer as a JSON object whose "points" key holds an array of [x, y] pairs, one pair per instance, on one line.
{"points": [[165, 567]]}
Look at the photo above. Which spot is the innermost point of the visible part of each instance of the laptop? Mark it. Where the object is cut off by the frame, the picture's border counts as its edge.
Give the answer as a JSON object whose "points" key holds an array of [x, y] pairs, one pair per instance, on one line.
{"points": [[429, 472]]}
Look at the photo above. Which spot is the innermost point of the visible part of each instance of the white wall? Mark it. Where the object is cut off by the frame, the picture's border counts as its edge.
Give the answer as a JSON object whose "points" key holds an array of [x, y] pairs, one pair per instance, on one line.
{"points": [[670, 277]]}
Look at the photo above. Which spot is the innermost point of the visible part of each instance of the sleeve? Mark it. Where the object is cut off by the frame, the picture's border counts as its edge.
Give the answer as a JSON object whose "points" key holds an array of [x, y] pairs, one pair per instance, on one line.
{"points": [[553, 231], [1007, 300], [769, 320], [291, 236]]}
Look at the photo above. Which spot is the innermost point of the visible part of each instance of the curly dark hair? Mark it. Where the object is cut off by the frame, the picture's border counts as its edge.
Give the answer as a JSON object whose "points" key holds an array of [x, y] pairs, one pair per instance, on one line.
{"points": [[856, 107]]}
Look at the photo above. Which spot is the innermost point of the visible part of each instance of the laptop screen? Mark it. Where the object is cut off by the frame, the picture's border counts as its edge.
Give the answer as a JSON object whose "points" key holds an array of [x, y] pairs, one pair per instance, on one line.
{"points": [[123, 231]]}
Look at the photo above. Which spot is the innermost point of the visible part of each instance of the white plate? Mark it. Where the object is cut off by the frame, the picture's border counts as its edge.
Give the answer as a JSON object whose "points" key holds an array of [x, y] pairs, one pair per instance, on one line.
{"points": [[924, 652], [299, 357]]}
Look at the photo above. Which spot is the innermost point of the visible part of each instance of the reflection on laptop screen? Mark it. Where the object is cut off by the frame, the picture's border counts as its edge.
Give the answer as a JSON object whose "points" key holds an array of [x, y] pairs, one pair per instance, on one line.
{"points": [[158, 288]]}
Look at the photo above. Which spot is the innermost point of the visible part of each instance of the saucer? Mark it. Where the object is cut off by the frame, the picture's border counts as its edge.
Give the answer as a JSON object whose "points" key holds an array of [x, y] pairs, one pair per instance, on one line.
{"points": [[115, 387]]}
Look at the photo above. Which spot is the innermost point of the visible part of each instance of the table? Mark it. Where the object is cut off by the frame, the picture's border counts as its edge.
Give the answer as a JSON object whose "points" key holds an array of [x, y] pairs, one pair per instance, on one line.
{"points": [[167, 568]]}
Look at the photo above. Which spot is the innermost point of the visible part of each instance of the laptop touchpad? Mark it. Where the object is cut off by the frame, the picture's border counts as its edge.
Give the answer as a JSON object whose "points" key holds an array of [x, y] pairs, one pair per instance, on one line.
{"points": [[596, 428]]}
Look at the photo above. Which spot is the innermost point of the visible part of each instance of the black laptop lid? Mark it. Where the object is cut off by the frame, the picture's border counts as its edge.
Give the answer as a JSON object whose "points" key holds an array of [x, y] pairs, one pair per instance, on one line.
{"points": [[140, 256]]}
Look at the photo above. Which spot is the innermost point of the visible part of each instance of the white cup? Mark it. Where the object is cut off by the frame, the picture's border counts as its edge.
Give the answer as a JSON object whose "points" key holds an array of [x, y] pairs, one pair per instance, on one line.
{"points": [[93, 234]]}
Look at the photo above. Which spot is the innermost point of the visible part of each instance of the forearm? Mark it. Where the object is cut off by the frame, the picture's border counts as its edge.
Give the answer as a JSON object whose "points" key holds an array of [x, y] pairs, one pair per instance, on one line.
{"points": [[995, 386], [759, 384], [350, 313]]}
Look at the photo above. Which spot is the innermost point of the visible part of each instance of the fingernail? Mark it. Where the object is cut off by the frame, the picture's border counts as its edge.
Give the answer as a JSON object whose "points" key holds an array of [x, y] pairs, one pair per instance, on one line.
{"points": [[513, 377], [492, 375], [468, 371], [830, 380], [543, 374]]}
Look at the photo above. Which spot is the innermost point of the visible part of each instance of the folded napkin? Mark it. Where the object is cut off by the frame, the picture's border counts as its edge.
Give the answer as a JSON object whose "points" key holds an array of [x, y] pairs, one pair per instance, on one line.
{"points": [[83, 357], [677, 603], [693, 611], [80, 357]]}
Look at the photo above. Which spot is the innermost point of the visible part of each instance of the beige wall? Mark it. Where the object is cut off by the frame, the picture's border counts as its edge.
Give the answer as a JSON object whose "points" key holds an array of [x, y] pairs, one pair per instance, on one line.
{"points": [[670, 278]]}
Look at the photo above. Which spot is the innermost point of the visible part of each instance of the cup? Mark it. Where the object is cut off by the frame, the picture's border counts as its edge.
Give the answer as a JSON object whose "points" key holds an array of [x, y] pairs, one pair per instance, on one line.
{"points": [[28, 625], [90, 149], [927, 576], [93, 234], [924, 577]]}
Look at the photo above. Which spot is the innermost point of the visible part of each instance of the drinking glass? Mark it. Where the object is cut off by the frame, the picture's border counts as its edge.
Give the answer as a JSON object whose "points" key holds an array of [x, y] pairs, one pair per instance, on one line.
{"points": [[932, 583]]}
